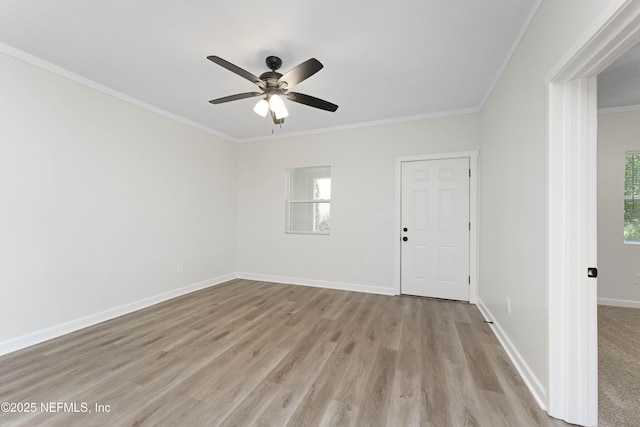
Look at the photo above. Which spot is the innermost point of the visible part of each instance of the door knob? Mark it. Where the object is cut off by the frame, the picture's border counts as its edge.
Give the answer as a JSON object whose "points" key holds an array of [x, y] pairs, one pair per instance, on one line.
{"points": [[405, 229], [405, 238]]}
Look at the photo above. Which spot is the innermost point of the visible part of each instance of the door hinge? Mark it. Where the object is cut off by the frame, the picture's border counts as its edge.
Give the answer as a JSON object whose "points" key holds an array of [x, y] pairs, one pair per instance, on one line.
{"points": [[469, 173], [469, 279], [469, 226]]}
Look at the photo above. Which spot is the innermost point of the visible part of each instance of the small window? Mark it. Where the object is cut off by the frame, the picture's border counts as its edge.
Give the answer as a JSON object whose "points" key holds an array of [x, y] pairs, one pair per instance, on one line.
{"points": [[308, 200], [632, 197]]}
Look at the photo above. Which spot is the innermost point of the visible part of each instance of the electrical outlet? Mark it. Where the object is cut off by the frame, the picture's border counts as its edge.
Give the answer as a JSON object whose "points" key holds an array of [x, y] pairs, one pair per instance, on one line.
{"points": [[179, 268], [508, 305], [637, 278], [366, 266]]}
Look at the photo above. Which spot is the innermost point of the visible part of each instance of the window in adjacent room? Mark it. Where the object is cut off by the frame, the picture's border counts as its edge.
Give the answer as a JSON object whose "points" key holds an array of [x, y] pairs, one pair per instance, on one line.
{"points": [[308, 200], [632, 197]]}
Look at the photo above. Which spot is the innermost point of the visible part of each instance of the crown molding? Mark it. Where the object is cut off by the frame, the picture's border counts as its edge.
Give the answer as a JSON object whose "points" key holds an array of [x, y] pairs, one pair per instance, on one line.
{"points": [[512, 50], [374, 123], [63, 72]]}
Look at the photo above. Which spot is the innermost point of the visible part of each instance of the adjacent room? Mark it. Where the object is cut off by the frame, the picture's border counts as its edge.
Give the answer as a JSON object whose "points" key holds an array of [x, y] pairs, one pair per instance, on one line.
{"points": [[619, 240], [289, 214]]}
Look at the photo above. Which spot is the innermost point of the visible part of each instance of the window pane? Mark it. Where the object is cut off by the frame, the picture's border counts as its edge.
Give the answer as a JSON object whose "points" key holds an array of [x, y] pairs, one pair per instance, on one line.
{"points": [[321, 217], [322, 189], [310, 183], [309, 217], [632, 197]]}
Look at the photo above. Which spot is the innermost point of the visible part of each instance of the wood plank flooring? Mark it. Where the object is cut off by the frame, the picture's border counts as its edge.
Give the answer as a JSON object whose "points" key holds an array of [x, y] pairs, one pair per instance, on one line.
{"points": [[264, 354]]}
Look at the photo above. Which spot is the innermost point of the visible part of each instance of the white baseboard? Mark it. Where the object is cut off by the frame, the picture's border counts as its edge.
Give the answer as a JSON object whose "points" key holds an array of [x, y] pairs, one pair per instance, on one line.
{"points": [[619, 302], [24, 341], [317, 283], [531, 380], [37, 337]]}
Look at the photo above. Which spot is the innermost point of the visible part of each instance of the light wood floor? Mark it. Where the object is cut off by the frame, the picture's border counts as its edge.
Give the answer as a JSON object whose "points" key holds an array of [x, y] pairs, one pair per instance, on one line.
{"points": [[252, 353]]}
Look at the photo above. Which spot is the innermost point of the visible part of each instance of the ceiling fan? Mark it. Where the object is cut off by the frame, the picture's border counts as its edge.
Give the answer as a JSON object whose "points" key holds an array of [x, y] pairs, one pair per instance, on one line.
{"points": [[275, 86]]}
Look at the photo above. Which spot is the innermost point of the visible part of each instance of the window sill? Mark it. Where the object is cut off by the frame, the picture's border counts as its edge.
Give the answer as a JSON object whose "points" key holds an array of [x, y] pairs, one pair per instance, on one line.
{"points": [[311, 233]]}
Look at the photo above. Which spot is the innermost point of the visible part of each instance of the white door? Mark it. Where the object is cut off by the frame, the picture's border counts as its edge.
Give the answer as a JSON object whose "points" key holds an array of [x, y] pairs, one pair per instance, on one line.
{"points": [[435, 229]]}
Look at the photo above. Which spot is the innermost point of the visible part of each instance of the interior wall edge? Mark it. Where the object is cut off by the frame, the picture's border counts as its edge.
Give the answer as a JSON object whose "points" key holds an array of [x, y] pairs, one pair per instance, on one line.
{"points": [[353, 287], [526, 373], [37, 337]]}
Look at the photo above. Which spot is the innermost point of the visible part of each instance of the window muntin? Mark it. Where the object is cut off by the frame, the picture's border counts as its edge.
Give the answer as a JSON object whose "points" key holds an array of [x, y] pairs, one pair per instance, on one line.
{"points": [[308, 209], [632, 197]]}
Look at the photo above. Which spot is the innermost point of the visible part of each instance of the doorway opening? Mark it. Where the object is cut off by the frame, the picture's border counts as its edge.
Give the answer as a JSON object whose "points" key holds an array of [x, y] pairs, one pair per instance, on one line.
{"points": [[572, 213], [619, 241]]}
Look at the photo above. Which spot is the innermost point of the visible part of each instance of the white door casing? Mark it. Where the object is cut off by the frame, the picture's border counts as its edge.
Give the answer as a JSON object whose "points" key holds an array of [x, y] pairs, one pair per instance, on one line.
{"points": [[435, 224]]}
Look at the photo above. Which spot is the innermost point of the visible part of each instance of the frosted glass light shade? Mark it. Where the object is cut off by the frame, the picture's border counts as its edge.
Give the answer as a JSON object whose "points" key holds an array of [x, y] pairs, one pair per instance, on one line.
{"points": [[277, 106], [282, 113], [262, 108]]}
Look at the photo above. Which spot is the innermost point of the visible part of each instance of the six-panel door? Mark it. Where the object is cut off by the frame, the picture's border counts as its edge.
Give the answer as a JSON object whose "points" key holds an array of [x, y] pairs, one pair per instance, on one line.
{"points": [[435, 215]]}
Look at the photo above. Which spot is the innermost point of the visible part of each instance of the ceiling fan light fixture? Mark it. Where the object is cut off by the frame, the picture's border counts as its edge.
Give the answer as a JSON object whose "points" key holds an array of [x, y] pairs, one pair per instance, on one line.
{"points": [[262, 108], [281, 114], [274, 86], [277, 106]]}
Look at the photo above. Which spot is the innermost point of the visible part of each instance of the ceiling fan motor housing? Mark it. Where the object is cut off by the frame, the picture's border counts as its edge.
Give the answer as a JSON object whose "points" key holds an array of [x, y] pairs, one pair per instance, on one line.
{"points": [[271, 79]]}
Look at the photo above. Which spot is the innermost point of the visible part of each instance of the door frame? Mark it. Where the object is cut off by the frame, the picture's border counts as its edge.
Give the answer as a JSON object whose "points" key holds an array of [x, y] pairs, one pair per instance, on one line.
{"points": [[473, 215], [571, 247]]}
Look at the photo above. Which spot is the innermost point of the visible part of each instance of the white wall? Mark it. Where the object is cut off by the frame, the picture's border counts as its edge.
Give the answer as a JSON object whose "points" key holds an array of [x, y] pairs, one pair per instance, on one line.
{"points": [[513, 184], [99, 202], [617, 262], [362, 207]]}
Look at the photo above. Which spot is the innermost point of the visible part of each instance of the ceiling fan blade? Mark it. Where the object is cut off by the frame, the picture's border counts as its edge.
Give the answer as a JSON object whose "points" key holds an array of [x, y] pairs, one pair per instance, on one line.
{"points": [[234, 69], [311, 101], [235, 97], [301, 72]]}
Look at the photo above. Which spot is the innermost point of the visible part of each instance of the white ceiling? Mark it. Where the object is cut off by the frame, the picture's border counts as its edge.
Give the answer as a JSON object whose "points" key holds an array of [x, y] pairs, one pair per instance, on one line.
{"points": [[384, 60]]}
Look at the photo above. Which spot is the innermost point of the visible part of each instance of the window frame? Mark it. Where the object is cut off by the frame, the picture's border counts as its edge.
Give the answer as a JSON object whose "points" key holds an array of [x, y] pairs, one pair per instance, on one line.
{"points": [[289, 201], [635, 196]]}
